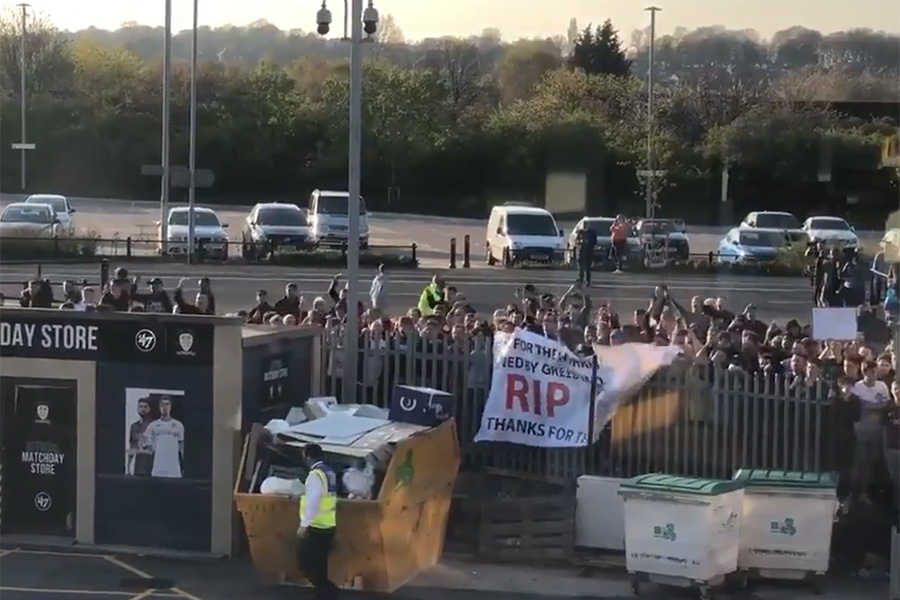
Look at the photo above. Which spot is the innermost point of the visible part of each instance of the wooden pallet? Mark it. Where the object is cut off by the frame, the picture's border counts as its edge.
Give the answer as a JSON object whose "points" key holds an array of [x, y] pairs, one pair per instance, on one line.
{"points": [[538, 529]]}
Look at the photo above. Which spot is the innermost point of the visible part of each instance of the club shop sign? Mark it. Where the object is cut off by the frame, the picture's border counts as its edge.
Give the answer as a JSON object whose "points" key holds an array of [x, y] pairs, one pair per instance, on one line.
{"points": [[49, 339]]}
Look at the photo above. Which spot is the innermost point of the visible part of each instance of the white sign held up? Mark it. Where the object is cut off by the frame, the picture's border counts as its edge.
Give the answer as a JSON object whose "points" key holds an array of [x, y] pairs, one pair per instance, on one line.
{"points": [[540, 390]]}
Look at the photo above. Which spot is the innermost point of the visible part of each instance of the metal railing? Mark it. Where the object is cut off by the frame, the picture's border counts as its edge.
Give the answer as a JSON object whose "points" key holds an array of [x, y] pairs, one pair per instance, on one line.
{"points": [[62, 247], [689, 420]]}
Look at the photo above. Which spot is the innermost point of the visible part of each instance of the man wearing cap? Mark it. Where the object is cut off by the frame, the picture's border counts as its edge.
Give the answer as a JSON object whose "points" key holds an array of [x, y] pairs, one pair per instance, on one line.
{"points": [[318, 521], [156, 300]]}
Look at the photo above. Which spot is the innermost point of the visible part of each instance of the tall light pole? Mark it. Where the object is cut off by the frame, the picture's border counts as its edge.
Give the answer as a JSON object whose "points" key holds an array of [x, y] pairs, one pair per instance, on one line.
{"points": [[651, 67], [354, 164], [166, 127], [23, 146], [192, 153]]}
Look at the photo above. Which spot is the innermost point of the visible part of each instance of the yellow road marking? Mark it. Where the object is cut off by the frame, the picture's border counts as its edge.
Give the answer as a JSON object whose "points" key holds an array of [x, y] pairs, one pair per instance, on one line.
{"points": [[124, 565]]}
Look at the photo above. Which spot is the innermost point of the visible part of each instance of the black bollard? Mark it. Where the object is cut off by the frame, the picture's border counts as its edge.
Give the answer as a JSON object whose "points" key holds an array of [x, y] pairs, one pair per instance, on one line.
{"points": [[467, 263], [104, 272], [452, 253]]}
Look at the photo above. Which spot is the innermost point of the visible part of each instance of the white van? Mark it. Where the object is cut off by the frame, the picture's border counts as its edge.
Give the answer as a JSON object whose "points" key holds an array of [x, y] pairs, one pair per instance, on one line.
{"points": [[520, 233], [328, 217]]}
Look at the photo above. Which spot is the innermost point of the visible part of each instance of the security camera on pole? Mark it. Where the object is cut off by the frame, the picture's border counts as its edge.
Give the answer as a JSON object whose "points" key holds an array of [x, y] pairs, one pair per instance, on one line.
{"points": [[360, 21]]}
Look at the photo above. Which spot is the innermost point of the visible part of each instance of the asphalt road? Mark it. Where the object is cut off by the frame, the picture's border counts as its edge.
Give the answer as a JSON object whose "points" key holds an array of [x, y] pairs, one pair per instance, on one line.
{"points": [[123, 218], [486, 289]]}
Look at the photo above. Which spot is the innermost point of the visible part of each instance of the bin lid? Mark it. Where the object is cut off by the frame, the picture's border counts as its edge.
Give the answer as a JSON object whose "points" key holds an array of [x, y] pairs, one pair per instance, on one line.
{"points": [[660, 482], [786, 479]]}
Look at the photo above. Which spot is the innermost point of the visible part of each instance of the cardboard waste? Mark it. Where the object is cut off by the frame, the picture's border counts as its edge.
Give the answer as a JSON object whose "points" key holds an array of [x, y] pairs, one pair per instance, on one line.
{"points": [[394, 492]]}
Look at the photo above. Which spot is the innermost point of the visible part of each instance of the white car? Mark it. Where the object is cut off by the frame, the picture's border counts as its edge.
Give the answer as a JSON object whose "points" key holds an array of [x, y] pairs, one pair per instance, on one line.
{"points": [[775, 219], [832, 231], [64, 211], [284, 226], [329, 218], [208, 231], [29, 221]]}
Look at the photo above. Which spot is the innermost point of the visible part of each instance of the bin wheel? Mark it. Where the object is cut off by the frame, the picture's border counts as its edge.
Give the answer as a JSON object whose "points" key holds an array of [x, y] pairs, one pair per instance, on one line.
{"points": [[635, 586], [737, 582], [706, 593], [818, 584]]}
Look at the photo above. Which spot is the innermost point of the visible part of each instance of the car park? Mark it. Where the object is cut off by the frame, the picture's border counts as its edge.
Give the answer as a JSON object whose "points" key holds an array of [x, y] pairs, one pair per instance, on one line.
{"points": [[24, 220], [275, 225], [329, 218], [209, 232], [831, 231], [601, 227], [520, 233], [773, 219], [671, 232], [747, 245], [61, 206]]}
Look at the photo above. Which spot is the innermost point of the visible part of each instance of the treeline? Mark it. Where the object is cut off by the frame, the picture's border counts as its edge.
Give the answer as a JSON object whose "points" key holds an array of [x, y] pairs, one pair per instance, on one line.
{"points": [[452, 125]]}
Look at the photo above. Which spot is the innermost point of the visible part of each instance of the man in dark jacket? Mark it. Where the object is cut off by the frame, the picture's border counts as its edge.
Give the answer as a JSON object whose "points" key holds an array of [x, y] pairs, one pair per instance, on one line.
{"points": [[586, 242], [156, 300], [258, 313], [289, 304], [201, 302], [117, 295]]}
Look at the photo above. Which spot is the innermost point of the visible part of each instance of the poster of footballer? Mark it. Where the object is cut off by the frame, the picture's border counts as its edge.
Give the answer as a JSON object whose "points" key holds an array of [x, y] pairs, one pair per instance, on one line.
{"points": [[154, 433]]}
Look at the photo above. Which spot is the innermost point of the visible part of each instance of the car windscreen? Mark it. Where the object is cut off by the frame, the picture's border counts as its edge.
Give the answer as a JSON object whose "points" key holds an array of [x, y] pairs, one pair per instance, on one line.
{"points": [[600, 226], [285, 217], [338, 205], [201, 219], [27, 214], [829, 224], [777, 221], [58, 204], [530, 224], [762, 239]]}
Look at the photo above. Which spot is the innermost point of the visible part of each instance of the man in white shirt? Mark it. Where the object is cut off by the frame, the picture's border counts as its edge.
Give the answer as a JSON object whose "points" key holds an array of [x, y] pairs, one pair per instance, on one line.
{"points": [[378, 291], [874, 397], [166, 436]]}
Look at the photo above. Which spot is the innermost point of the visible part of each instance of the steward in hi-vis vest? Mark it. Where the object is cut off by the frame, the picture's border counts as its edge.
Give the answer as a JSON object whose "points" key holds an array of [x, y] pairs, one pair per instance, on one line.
{"points": [[318, 519]]}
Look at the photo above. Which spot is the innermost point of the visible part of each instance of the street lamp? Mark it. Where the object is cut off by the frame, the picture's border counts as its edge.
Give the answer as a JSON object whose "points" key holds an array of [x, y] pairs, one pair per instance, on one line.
{"points": [[651, 60], [166, 128], [359, 20], [23, 146]]}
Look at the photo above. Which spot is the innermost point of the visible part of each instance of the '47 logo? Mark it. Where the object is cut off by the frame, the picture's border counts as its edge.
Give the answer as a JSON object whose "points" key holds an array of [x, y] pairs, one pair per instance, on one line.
{"points": [[785, 527]]}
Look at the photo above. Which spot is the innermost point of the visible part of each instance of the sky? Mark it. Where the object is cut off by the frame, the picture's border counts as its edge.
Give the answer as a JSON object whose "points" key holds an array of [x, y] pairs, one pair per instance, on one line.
{"points": [[515, 18]]}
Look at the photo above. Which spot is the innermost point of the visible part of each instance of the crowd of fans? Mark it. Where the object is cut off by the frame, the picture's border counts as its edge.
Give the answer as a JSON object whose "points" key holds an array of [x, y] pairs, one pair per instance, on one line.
{"points": [[860, 376]]}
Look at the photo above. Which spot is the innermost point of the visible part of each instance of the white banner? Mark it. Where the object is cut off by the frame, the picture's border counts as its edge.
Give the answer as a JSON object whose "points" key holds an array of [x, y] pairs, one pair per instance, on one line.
{"points": [[540, 390]]}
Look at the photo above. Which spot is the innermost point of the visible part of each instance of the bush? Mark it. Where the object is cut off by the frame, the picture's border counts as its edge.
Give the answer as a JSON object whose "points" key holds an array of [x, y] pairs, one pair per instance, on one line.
{"points": [[20, 247], [336, 258]]}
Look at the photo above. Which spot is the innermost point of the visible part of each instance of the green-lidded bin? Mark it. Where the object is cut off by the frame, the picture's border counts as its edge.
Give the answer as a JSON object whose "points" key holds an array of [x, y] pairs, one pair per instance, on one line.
{"points": [[692, 523], [787, 522]]}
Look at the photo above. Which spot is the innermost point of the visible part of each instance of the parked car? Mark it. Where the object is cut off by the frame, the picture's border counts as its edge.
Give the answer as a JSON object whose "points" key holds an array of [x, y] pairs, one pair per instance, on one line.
{"points": [[24, 220], [518, 233], [329, 218], [282, 226], [64, 211], [773, 219], [745, 245], [208, 231], [832, 231], [600, 226], [671, 231]]}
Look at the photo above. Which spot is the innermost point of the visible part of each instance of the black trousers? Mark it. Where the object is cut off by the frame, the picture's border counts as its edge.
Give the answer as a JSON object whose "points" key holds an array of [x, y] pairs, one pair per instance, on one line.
{"points": [[585, 265], [312, 554]]}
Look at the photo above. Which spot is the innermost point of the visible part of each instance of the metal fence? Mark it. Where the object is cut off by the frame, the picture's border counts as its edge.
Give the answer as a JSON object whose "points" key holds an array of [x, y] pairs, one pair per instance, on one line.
{"points": [[690, 420]]}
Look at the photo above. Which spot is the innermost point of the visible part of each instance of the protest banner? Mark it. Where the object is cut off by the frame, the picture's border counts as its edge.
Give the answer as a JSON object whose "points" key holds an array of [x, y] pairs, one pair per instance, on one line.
{"points": [[540, 390]]}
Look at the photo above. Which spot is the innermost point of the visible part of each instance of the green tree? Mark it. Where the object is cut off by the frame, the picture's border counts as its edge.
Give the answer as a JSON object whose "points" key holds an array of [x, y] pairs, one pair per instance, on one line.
{"points": [[600, 52]]}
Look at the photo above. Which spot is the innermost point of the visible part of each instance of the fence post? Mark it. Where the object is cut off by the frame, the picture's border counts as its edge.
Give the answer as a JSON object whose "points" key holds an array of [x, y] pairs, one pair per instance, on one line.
{"points": [[466, 252], [453, 253], [414, 257], [711, 259], [128, 246], [104, 272], [39, 270], [201, 250]]}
